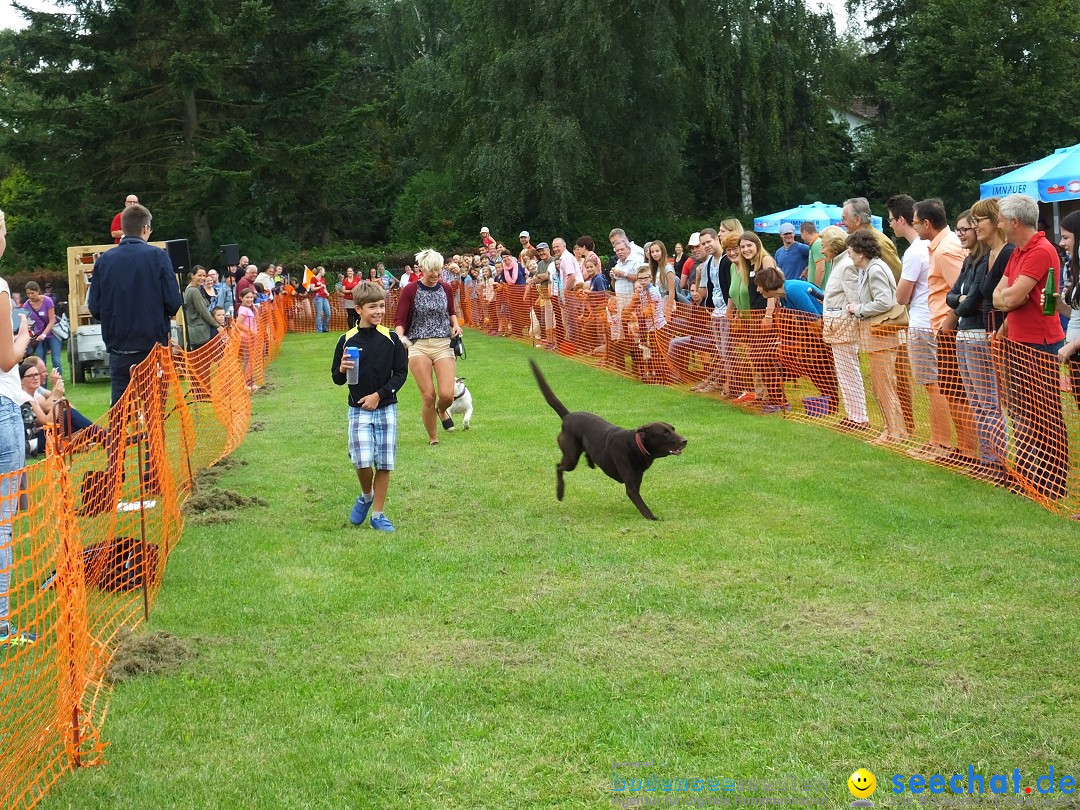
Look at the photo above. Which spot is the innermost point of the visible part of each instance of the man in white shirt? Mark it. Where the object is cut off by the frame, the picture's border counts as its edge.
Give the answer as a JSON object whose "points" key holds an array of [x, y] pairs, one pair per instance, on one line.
{"points": [[913, 289], [625, 270], [569, 279]]}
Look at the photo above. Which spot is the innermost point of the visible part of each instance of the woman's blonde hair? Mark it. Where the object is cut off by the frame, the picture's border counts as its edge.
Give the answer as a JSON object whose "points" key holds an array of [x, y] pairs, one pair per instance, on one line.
{"points": [[732, 225], [835, 238], [430, 260]]}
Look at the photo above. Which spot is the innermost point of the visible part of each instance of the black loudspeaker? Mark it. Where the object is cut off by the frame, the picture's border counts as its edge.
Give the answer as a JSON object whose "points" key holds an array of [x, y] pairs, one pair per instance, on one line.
{"points": [[180, 256], [230, 255]]}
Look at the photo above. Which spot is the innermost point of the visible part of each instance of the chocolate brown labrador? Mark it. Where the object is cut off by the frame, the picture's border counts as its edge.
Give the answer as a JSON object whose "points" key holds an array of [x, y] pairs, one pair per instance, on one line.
{"points": [[623, 454]]}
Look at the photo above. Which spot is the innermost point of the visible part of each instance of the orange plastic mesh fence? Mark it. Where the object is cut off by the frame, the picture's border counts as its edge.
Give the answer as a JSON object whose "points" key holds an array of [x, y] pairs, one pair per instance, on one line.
{"points": [[91, 527], [985, 407]]}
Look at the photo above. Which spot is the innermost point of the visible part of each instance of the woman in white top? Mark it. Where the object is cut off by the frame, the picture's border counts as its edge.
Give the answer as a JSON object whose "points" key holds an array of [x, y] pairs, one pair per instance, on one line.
{"points": [[877, 297], [839, 330], [13, 343]]}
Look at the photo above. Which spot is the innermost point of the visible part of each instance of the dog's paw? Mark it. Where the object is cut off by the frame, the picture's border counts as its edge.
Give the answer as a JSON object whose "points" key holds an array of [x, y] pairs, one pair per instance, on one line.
{"points": [[465, 426]]}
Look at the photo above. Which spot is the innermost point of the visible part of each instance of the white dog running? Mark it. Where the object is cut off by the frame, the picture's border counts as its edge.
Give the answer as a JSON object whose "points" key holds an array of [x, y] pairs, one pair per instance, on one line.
{"points": [[462, 402]]}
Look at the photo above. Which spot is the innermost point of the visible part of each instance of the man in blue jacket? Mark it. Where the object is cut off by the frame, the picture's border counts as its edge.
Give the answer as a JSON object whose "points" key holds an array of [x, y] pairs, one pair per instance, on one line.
{"points": [[134, 296]]}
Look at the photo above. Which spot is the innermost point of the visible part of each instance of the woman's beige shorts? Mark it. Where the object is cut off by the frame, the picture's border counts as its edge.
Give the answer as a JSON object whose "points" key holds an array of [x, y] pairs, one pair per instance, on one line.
{"points": [[432, 348]]}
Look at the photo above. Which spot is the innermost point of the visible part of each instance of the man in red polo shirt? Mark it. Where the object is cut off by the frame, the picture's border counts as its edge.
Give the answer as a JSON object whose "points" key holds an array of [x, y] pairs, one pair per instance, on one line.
{"points": [[116, 231], [1032, 391]]}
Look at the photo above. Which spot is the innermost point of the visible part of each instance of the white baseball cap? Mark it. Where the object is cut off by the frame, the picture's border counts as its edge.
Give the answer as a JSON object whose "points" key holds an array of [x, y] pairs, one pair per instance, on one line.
{"points": [[694, 240], [523, 233], [485, 229]]}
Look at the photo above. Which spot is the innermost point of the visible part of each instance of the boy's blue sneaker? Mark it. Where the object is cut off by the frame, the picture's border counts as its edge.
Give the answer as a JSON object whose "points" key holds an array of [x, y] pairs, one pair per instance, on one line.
{"points": [[382, 523], [359, 510]]}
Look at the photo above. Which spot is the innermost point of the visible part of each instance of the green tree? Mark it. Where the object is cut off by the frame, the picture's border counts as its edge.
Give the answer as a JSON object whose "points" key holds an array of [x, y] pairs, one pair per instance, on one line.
{"points": [[969, 85], [763, 135], [551, 130], [168, 101]]}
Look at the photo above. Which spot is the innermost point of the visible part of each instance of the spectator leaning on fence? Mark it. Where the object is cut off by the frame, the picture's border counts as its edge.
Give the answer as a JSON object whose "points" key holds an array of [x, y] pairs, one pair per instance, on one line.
{"points": [[946, 260], [838, 328], [12, 444], [876, 297], [913, 289], [988, 253], [1042, 444], [1069, 304]]}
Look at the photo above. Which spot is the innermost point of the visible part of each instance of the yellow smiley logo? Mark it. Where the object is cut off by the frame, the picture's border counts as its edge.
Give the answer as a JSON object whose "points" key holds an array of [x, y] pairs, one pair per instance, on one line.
{"points": [[862, 784]]}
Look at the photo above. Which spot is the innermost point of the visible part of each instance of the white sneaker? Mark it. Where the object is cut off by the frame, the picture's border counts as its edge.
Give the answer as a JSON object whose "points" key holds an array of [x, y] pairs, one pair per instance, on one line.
{"points": [[134, 506]]}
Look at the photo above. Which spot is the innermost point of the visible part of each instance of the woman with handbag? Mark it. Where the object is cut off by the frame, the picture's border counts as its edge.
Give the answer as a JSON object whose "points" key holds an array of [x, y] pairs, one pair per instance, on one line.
{"points": [[881, 320], [839, 329], [426, 322]]}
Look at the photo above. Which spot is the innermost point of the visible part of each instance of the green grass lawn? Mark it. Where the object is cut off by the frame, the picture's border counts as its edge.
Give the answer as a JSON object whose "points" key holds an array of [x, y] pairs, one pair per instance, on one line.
{"points": [[807, 605]]}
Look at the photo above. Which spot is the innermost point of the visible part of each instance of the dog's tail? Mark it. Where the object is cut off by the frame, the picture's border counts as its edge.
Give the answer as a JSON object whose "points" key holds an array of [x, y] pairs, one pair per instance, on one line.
{"points": [[545, 389]]}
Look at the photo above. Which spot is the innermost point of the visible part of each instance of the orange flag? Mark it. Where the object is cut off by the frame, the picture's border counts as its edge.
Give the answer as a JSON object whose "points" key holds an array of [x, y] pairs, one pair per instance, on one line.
{"points": [[308, 276]]}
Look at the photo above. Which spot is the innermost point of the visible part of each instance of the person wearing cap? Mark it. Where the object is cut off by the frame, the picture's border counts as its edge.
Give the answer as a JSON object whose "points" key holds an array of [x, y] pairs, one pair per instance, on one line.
{"points": [[792, 256], [526, 245], [688, 274], [539, 280], [485, 237]]}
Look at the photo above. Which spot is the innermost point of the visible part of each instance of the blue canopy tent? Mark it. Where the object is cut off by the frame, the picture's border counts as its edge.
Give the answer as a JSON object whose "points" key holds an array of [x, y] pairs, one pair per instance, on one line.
{"points": [[821, 214], [1051, 179]]}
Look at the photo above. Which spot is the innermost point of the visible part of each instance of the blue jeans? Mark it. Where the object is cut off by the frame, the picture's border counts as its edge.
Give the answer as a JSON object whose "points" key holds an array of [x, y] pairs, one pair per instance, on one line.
{"points": [[52, 345], [980, 381], [120, 366], [322, 314], [12, 460]]}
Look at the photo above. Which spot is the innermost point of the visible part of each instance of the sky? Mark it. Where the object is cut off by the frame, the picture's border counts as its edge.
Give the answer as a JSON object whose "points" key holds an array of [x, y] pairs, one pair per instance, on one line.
{"points": [[10, 18]]}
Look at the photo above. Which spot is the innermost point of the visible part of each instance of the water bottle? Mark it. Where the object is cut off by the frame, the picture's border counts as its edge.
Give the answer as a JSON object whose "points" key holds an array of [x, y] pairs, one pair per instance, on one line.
{"points": [[352, 376]]}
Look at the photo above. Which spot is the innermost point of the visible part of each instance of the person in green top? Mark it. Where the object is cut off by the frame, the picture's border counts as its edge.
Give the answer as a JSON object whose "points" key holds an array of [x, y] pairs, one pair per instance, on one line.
{"points": [[199, 323], [817, 267]]}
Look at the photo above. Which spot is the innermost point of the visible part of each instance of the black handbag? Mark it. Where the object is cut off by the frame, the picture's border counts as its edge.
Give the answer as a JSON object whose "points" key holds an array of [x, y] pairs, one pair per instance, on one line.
{"points": [[458, 346]]}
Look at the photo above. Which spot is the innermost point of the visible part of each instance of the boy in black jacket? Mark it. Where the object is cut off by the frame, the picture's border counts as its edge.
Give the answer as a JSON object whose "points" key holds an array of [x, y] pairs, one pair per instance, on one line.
{"points": [[383, 365]]}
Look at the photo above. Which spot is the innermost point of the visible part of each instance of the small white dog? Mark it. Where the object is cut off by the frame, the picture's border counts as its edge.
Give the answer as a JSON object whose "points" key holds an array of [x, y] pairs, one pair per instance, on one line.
{"points": [[462, 402]]}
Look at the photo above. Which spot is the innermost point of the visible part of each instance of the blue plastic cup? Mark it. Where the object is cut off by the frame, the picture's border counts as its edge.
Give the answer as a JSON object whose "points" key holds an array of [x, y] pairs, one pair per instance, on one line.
{"points": [[352, 376]]}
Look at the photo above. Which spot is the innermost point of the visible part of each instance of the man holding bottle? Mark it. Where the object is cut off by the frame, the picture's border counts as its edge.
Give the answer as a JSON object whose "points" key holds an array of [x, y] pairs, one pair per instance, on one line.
{"points": [[1033, 393]]}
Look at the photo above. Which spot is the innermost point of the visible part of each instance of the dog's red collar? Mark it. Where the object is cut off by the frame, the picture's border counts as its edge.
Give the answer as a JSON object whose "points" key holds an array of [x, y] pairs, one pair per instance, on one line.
{"points": [[641, 444]]}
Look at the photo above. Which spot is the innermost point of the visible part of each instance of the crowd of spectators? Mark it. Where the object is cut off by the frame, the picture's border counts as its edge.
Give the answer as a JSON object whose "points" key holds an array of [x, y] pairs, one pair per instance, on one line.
{"points": [[737, 320]]}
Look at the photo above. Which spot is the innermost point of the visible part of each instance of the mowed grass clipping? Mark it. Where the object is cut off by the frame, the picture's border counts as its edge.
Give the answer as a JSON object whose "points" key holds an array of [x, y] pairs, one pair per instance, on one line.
{"points": [[807, 605]]}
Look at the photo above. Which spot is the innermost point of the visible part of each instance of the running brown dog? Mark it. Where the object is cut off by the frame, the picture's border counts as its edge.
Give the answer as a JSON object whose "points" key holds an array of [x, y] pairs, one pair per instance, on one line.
{"points": [[623, 454]]}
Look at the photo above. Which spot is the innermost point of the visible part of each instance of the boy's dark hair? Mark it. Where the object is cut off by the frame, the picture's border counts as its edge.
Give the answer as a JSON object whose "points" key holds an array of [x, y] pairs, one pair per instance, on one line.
{"points": [[259, 287], [368, 292], [216, 309], [901, 206]]}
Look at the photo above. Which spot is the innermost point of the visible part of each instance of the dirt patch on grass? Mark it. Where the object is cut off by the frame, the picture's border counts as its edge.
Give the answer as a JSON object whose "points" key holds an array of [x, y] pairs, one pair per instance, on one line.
{"points": [[208, 507], [155, 653], [210, 475], [256, 426]]}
